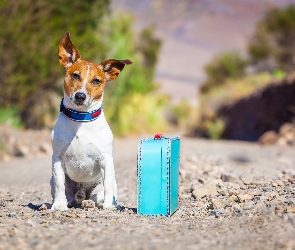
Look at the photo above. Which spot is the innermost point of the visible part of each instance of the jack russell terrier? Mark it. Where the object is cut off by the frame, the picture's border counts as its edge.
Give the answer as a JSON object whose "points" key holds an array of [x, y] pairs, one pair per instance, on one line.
{"points": [[82, 162]]}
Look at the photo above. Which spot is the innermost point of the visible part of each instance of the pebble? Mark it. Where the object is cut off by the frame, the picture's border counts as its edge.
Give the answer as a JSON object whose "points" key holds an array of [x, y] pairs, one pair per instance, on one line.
{"points": [[268, 189], [227, 197], [248, 206], [43, 207], [46, 148], [246, 196], [206, 190], [290, 210], [280, 183], [21, 150], [217, 212], [229, 177], [71, 215], [81, 215], [246, 180]]}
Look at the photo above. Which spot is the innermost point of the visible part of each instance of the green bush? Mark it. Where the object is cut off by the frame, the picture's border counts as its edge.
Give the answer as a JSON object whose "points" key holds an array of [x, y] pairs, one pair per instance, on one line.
{"points": [[29, 36], [272, 45], [10, 117], [141, 114], [216, 129], [30, 75], [183, 115], [225, 66], [136, 81]]}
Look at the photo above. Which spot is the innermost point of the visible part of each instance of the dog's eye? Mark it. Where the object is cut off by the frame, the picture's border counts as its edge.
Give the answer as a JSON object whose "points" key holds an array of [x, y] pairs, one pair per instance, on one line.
{"points": [[96, 81], [76, 76]]}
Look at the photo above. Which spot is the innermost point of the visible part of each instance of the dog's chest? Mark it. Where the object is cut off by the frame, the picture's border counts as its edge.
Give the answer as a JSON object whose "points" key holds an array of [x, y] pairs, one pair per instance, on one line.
{"points": [[83, 158]]}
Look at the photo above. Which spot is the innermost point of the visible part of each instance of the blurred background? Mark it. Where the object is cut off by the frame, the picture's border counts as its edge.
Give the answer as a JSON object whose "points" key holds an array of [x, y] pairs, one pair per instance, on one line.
{"points": [[202, 68]]}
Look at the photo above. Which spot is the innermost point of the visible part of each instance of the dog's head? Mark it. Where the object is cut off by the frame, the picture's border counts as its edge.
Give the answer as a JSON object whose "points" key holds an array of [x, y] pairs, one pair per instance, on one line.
{"points": [[85, 81]]}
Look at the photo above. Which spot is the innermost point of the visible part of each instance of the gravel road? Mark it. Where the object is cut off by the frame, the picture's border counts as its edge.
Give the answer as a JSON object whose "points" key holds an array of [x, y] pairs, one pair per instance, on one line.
{"points": [[233, 195]]}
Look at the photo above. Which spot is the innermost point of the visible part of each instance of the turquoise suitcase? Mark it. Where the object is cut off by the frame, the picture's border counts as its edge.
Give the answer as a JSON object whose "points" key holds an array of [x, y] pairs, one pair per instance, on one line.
{"points": [[157, 172]]}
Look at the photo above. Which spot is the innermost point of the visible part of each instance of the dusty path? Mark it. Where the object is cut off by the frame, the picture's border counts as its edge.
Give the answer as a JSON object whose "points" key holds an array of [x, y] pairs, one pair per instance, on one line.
{"points": [[233, 195]]}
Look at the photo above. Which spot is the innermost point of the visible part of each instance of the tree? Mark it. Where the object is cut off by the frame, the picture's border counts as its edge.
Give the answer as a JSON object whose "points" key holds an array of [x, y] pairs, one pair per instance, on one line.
{"points": [[29, 36], [143, 50], [273, 43], [225, 66]]}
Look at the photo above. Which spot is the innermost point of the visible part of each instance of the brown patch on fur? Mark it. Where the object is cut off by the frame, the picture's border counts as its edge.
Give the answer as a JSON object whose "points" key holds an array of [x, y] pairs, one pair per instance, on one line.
{"points": [[68, 54], [94, 90], [113, 67], [70, 59]]}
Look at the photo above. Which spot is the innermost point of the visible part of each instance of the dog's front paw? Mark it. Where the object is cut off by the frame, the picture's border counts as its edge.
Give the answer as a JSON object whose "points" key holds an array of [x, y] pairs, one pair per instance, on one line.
{"points": [[109, 206], [59, 206], [112, 207], [88, 204]]}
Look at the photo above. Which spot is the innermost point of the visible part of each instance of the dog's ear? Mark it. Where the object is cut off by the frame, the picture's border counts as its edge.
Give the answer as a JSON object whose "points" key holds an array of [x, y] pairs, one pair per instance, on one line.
{"points": [[113, 67], [68, 54]]}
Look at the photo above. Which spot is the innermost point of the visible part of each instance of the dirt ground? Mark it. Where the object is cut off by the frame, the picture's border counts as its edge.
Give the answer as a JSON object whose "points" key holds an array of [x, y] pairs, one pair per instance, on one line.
{"points": [[233, 195]]}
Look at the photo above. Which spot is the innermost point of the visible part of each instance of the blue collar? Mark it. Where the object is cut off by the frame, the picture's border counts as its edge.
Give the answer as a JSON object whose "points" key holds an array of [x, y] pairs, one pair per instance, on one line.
{"points": [[79, 116]]}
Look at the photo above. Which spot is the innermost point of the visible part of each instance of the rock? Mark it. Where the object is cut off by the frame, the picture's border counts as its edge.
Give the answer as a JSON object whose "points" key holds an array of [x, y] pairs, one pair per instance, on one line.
{"points": [[223, 191], [185, 188], [21, 150], [290, 137], [71, 215], [217, 212], [207, 168], [229, 177], [286, 128], [48, 212], [5, 157], [292, 180], [280, 183], [268, 189], [269, 137], [46, 148], [272, 196], [234, 186], [184, 174], [256, 182], [247, 180], [245, 197], [88, 204], [81, 215], [263, 197], [282, 141], [43, 207], [208, 189], [290, 210], [248, 206]]}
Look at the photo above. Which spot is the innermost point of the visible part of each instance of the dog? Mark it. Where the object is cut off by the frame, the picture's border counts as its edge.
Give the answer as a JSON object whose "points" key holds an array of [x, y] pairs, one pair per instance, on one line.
{"points": [[82, 163]]}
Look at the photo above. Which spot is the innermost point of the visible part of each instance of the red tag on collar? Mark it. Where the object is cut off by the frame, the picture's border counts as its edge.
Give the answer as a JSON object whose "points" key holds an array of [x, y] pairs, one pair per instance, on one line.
{"points": [[97, 113]]}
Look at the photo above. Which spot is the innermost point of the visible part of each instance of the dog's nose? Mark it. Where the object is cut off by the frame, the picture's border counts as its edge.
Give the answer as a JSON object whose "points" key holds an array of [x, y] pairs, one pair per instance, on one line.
{"points": [[80, 96]]}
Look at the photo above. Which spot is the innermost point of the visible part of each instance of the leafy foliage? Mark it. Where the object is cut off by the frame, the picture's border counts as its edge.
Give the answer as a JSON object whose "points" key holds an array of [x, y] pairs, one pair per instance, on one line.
{"points": [[210, 124], [223, 67], [140, 113], [136, 81], [272, 45], [29, 36], [30, 75], [9, 116]]}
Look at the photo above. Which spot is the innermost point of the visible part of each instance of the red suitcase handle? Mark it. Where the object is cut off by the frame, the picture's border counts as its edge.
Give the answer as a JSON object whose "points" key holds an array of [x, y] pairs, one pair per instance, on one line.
{"points": [[158, 136]]}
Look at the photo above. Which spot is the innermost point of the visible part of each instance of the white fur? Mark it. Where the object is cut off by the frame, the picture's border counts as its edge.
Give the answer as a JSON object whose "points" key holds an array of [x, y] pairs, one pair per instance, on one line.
{"points": [[83, 152]]}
